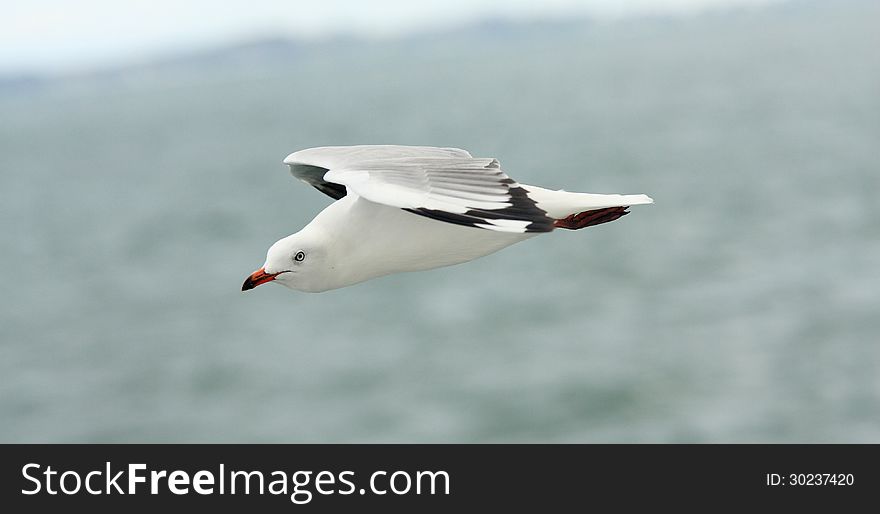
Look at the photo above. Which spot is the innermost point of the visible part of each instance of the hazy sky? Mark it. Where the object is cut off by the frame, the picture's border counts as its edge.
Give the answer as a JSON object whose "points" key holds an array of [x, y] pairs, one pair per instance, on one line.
{"points": [[40, 35]]}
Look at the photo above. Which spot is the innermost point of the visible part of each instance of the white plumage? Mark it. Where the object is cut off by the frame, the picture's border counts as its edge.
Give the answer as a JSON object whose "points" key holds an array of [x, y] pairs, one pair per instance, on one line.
{"points": [[409, 208]]}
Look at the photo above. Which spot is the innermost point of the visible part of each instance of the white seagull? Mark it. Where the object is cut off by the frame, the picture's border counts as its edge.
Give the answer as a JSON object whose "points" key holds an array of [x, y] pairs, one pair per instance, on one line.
{"points": [[414, 208]]}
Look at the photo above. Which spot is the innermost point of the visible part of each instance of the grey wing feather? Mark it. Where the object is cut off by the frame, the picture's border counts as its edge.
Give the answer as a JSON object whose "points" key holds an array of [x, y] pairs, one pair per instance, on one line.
{"points": [[444, 184], [472, 192], [311, 164]]}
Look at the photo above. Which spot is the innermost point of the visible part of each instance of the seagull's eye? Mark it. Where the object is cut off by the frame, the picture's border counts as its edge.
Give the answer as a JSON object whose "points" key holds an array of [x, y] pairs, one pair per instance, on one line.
{"points": [[299, 256]]}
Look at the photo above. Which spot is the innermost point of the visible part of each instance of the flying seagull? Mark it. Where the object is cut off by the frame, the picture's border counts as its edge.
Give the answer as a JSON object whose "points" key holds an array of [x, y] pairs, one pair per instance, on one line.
{"points": [[414, 208]]}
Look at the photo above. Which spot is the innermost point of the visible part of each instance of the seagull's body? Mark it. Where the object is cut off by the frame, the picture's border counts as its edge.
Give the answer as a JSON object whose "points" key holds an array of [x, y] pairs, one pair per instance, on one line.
{"points": [[406, 208]]}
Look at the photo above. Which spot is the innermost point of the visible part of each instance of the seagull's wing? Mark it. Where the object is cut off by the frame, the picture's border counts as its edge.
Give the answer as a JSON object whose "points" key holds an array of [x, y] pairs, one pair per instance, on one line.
{"points": [[456, 189], [311, 164]]}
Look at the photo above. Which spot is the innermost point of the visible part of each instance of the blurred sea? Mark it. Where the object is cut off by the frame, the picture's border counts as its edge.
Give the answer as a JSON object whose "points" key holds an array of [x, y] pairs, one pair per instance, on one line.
{"points": [[744, 306]]}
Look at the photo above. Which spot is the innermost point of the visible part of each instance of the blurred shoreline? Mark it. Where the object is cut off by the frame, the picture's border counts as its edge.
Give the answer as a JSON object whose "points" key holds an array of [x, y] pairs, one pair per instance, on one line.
{"points": [[276, 50]]}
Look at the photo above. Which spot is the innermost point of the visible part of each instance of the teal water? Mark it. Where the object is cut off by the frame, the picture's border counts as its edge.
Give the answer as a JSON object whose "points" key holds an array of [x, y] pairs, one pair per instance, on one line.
{"points": [[743, 306]]}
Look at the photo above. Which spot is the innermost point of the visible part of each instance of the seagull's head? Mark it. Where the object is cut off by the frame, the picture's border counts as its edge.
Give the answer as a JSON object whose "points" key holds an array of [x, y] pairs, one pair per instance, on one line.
{"points": [[297, 262]]}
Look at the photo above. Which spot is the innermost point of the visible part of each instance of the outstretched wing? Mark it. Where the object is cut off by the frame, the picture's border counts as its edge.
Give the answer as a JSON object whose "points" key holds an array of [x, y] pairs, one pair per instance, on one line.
{"points": [[311, 164], [458, 189]]}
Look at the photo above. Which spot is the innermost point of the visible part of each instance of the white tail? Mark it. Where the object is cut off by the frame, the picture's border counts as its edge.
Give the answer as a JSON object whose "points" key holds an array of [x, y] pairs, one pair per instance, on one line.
{"points": [[561, 204]]}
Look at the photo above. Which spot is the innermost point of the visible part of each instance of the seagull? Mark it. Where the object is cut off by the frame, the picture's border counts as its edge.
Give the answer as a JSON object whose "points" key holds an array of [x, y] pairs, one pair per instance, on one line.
{"points": [[415, 208]]}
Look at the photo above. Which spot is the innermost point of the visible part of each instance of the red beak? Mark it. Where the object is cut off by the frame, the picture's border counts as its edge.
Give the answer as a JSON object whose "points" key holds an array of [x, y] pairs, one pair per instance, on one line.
{"points": [[258, 277]]}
